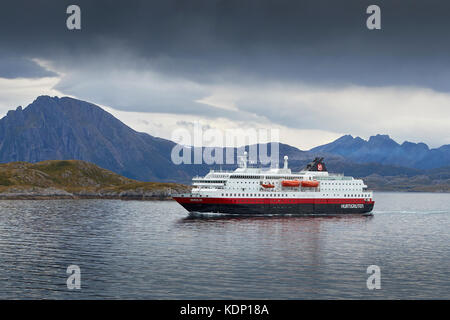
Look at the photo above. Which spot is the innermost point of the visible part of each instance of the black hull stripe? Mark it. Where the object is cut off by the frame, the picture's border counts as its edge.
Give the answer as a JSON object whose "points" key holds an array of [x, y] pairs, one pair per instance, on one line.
{"points": [[282, 208]]}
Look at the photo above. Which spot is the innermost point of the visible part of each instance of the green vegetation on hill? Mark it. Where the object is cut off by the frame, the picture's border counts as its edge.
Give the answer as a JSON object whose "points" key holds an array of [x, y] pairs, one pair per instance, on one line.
{"points": [[75, 178]]}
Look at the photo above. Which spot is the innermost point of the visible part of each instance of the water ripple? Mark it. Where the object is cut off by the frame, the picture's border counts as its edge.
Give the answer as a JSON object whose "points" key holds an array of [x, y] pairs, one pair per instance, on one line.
{"points": [[154, 250]]}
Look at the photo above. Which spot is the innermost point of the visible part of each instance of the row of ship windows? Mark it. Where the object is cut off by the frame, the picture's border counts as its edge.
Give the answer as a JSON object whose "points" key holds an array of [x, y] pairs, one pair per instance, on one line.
{"points": [[342, 183], [287, 178], [244, 177], [212, 181], [221, 181], [256, 182], [265, 177], [249, 182], [272, 195]]}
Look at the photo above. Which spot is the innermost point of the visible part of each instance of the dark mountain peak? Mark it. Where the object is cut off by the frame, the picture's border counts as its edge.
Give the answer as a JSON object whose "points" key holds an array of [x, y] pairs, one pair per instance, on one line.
{"points": [[65, 110], [43, 104], [382, 140], [379, 137], [347, 137], [13, 113], [341, 146], [45, 98], [41, 101], [57, 101], [413, 145]]}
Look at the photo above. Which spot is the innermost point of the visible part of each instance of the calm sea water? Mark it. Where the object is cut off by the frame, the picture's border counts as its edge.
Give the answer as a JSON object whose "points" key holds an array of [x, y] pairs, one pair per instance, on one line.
{"points": [[152, 250]]}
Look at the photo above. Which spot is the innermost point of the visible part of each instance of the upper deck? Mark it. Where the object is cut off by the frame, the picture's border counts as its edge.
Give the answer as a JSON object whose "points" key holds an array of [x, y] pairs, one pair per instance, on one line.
{"points": [[273, 180]]}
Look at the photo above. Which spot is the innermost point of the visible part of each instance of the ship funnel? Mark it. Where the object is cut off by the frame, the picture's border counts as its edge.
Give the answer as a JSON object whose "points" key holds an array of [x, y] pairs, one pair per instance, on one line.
{"points": [[285, 162]]}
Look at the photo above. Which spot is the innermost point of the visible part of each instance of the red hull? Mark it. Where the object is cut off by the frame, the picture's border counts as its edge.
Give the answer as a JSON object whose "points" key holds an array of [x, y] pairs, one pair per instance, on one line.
{"points": [[275, 205]]}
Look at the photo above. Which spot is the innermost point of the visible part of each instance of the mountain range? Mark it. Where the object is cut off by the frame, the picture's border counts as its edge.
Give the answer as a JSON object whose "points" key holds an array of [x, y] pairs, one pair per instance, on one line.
{"points": [[53, 128], [382, 149]]}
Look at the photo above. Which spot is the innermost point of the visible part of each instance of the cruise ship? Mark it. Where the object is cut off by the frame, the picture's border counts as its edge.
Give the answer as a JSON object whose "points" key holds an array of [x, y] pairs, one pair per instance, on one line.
{"points": [[256, 191]]}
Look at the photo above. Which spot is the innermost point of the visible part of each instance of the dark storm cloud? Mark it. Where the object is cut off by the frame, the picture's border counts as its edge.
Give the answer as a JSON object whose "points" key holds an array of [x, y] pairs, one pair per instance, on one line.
{"points": [[315, 41], [17, 67]]}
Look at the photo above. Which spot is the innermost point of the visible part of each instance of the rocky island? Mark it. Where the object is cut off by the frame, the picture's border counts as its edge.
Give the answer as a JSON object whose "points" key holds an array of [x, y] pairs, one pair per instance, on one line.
{"points": [[74, 179]]}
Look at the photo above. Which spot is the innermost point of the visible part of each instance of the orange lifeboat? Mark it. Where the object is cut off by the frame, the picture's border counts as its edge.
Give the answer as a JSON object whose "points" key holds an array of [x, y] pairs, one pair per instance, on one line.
{"points": [[310, 184], [267, 185], [290, 183]]}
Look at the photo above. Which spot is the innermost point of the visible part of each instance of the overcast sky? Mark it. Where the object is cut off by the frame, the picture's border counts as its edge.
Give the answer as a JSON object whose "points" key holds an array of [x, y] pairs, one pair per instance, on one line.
{"points": [[309, 68]]}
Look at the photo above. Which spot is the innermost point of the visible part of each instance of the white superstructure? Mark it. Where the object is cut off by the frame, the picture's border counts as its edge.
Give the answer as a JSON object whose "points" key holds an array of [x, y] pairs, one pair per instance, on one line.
{"points": [[248, 182]]}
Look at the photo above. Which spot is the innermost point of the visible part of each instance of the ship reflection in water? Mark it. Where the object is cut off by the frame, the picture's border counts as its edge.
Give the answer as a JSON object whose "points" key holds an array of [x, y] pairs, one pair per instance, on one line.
{"points": [[151, 250], [289, 253], [277, 217]]}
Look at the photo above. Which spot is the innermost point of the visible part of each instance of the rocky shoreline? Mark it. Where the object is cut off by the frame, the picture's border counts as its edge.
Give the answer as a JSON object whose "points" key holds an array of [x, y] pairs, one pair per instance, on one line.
{"points": [[55, 193]]}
